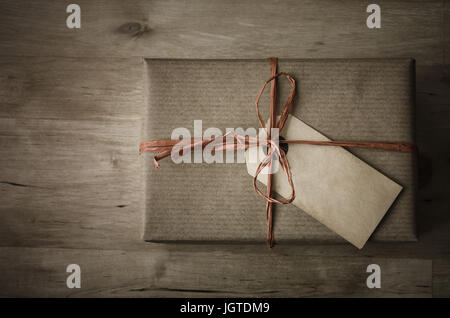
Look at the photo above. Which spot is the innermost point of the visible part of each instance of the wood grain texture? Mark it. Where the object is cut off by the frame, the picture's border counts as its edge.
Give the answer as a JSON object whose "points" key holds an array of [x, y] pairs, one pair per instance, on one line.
{"points": [[159, 272], [69, 135], [71, 104], [224, 29]]}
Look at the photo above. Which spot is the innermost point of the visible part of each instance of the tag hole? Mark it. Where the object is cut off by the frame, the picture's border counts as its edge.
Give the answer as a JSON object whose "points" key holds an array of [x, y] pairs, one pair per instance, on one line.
{"points": [[283, 146]]}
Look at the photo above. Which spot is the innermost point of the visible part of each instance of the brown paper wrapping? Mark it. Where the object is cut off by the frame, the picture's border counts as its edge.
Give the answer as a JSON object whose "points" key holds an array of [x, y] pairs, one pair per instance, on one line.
{"points": [[358, 100]]}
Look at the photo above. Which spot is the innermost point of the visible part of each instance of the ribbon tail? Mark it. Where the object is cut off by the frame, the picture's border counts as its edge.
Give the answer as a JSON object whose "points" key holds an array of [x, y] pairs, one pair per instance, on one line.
{"points": [[269, 212], [155, 162]]}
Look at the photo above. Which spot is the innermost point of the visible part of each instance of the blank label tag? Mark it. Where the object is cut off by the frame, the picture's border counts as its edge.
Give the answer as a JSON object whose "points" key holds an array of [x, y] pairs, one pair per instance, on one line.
{"points": [[332, 185]]}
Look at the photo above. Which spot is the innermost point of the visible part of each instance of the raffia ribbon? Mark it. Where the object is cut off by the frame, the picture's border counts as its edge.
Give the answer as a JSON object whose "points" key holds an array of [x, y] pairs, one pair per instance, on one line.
{"points": [[164, 147]]}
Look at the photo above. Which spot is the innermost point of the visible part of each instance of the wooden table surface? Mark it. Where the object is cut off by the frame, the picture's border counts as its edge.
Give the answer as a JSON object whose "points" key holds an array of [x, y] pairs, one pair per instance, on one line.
{"points": [[71, 108]]}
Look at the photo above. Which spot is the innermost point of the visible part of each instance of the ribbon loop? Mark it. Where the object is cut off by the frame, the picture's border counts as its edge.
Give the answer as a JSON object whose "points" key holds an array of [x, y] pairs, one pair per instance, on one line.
{"points": [[287, 106], [287, 171]]}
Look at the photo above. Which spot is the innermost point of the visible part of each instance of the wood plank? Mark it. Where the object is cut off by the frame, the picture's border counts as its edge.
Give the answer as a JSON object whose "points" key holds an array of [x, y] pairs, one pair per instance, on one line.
{"points": [[87, 191], [40, 272], [71, 88], [69, 163], [433, 138], [441, 277], [223, 29], [433, 197]]}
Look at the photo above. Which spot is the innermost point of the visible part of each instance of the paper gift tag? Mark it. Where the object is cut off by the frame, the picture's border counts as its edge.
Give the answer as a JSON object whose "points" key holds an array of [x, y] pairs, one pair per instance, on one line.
{"points": [[331, 184]]}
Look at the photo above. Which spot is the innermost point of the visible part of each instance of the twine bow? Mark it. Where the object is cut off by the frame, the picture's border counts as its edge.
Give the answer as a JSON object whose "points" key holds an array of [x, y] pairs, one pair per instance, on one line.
{"points": [[274, 151]]}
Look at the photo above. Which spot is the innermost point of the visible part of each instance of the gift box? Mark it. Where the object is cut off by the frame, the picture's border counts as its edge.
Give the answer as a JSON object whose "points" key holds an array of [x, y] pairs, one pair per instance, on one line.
{"points": [[343, 99]]}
